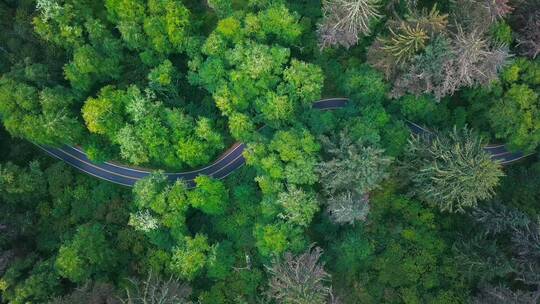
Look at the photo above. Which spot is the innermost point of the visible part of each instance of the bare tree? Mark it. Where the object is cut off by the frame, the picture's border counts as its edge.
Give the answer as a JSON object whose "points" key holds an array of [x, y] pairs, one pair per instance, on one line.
{"points": [[471, 15], [90, 293], [348, 207], [497, 9], [474, 63], [502, 294], [526, 21], [300, 280], [155, 290], [345, 21], [529, 37]]}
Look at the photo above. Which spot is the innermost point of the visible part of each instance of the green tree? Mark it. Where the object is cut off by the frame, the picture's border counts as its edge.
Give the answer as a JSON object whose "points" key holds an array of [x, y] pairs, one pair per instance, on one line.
{"points": [[87, 255], [515, 114], [43, 116], [452, 171], [363, 84], [160, 205], [290, 156], [223, 8], [275, 239], [299, 206], [353, 167], [191, 257], [248, 69], [411, 264], [37, 285], [104, 115], [155, 28], [209, 195]]}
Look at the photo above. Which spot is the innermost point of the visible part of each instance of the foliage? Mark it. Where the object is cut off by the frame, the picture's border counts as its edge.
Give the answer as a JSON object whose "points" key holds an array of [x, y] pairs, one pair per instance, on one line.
{"points": [[290, 156], [86, 255], [410, 263], [364, 84], [169, 84], [251, 78], [353, 166], [190, 258], [299, 207], [452, 171], [42, 115], [275, 239], [209, 195], [145, 130], [518, 100]]}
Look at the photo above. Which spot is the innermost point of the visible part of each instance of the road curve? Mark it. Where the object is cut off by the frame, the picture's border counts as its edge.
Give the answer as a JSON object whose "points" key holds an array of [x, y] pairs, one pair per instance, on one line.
{"points": [[229, 161]]}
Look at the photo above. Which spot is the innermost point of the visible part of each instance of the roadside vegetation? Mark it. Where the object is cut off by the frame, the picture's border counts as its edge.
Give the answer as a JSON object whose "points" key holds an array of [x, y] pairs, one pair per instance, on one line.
{"points": [[335, 206]]}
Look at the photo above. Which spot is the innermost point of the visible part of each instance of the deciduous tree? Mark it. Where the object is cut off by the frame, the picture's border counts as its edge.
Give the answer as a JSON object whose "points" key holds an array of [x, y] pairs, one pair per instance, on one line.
{"points": [[87, 255], [299, 206], [189, 259]]}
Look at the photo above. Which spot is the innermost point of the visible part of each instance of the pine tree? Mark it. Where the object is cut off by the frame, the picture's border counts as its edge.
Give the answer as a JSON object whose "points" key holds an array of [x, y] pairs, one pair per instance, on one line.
{"points": [[452, 171], [353, 167], [404, 43]]}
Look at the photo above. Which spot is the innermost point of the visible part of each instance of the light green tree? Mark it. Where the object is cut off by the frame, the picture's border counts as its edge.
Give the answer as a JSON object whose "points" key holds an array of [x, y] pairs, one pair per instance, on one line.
{"points": [[299, 206], [189, 259]]}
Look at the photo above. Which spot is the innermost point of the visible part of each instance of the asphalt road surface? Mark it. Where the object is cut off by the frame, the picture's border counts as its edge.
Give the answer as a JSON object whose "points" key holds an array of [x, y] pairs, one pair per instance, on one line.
{"points": [[229, 161]]}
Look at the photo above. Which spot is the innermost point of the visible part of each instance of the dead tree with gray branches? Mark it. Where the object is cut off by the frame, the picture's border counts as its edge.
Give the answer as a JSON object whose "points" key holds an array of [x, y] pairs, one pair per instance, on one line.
{"points": [[345, 21], [300, 279]]}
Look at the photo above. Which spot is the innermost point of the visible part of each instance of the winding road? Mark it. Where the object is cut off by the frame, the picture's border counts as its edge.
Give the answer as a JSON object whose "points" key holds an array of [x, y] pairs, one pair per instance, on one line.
{"points": [[229, 161]]}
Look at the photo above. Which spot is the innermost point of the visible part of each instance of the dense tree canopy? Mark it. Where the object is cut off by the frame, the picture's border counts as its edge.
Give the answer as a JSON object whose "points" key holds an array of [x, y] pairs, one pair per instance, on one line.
{"points": [[340, 205]]}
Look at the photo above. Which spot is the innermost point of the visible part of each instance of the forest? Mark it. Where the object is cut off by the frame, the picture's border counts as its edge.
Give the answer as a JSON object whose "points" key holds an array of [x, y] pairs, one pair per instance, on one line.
{"points": [[341, 205]]}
